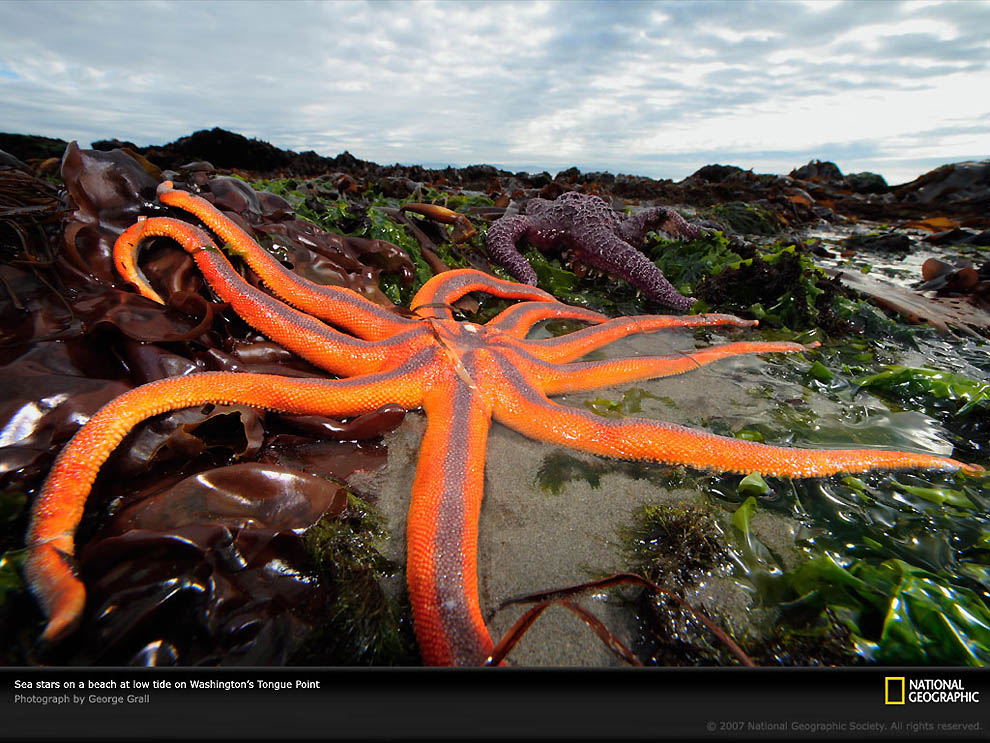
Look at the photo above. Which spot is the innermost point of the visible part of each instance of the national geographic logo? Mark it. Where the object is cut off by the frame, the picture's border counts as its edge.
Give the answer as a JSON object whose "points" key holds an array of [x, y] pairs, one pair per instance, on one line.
{"points": [[901, 690]]}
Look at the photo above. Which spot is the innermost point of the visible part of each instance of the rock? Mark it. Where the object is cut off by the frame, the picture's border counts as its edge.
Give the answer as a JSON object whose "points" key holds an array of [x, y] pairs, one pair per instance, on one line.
{"points": [[820, 170], [956, 181], [10, 161], [106, 145], [954, 236], [634, 186], [535, 180], [896, 242], [602, 178], [229, 150], [719, 174], [799, 196], [346, 161], [982, 239], [31, 146], [866, 183], [568, 176]]}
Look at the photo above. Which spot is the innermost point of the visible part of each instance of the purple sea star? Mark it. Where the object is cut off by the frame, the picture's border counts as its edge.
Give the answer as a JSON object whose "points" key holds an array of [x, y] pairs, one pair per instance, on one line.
{"points": [[599, 236]]}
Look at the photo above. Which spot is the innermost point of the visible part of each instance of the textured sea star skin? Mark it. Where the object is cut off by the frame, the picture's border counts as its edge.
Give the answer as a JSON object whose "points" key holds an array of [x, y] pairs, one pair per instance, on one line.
{"points": [[463, 376], [600, 236]]}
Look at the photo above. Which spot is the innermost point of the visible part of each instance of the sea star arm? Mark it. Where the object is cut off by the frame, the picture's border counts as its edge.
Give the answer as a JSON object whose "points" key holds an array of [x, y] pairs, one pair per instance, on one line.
{"points": [[574, 345], [634, 229], [501, 242], [59, 507], [519, 319], [300, 333], [557, 379], [521, 407], [607, 251], [435, 296], [342, 307], [442, 531]]}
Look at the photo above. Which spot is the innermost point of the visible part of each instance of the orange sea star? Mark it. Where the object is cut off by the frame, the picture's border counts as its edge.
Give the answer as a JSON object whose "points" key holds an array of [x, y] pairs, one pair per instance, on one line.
{"points": [[463, 376]]}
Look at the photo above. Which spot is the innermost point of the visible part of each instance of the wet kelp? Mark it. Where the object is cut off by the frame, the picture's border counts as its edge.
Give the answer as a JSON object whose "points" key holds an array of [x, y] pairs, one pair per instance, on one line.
{"points": [[194, 541]]}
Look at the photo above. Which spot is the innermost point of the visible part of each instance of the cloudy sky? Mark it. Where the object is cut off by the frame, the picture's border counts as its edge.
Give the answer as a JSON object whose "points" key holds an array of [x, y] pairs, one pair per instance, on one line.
{"points": [[650, 88]]}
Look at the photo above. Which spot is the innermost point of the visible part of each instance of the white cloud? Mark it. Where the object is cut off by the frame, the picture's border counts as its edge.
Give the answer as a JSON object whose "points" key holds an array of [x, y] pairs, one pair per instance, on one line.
{"points": [[658, 89], [870, 34]]}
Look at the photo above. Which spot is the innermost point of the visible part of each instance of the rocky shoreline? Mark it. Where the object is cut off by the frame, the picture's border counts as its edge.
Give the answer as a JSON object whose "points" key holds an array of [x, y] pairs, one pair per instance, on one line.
{"points": [[817, 190]]}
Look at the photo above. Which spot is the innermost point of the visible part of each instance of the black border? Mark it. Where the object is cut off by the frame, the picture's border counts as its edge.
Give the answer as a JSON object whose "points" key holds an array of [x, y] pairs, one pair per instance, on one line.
{"points": [[494, 704]]}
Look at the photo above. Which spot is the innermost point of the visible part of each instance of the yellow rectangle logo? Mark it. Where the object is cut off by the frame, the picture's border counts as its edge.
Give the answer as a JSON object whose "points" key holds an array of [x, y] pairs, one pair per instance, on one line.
{"points": [[893, 690]]}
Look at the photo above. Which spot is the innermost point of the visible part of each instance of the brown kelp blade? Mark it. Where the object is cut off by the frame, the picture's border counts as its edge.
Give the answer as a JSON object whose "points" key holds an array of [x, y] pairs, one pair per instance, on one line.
{"points": [[463, 229]]}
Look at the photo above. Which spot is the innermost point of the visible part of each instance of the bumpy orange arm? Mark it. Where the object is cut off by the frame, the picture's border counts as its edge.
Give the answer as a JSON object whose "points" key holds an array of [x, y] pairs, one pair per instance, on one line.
{"points": [[442, 532], [303, 335], [519, 319], [574, 345], [443, 289], [520, 407], [556, 379], [344, 308], [59, 506]]}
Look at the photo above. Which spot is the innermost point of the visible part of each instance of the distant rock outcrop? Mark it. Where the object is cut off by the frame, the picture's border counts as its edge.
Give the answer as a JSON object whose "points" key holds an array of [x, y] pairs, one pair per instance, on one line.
{"points": [[866, 182], [954, 182], [824, 171], [818, 170], [719, 174], [816, 190], [31, 146]]}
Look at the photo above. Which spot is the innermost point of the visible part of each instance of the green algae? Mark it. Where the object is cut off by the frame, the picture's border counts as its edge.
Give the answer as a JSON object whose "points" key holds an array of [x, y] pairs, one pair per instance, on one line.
{"points": [[12, 505], [558, 468], [631, 402], [898, 613], [893, 612], [20, 622], [675, 546], [753, 484], [746, 218], [11, 568], [363, 625], [938, 392], [778, 284], [679, 541]]}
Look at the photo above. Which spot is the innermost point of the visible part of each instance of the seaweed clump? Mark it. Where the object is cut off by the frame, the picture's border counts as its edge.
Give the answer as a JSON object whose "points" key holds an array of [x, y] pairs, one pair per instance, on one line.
{"points": [[778, 284], [782, 289], [363, 625], [676, 546], [961, 404]]}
